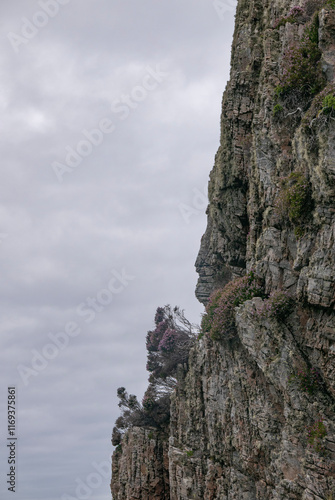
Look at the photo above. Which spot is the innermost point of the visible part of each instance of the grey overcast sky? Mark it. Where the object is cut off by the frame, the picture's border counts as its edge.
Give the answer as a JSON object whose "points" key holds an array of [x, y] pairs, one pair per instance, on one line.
{"points": [[110, 124]]}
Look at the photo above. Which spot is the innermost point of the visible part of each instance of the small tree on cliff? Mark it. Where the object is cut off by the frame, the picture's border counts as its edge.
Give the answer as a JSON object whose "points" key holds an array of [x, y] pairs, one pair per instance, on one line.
{"points": [[168, 346]]}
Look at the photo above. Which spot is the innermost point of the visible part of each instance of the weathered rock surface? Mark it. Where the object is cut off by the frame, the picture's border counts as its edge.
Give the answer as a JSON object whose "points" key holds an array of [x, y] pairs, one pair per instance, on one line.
{"points": [[239, 423], [140, 466], [246, 422]]}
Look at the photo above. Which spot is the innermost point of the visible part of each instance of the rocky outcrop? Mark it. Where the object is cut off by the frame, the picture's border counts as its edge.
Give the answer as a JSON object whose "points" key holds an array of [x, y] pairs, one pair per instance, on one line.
{"points": [[240, 418], [140, 466], [246, 423], [257, 148], [223, 249]]}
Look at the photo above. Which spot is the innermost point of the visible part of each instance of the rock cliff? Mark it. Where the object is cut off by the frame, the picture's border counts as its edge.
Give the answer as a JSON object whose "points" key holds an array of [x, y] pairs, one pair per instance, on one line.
{"points": [[140, 466], [248, 418]]}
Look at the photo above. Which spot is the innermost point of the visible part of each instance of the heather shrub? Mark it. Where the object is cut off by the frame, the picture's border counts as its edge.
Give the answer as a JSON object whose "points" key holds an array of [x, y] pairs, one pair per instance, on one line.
{"points": [[294, 201], [304, 13], [208, 317], [309, 380], [295, 14], [219, 320], [154, 337], [159, 315], [277, 306], [168, 345], [169, 341], [316, 434]]}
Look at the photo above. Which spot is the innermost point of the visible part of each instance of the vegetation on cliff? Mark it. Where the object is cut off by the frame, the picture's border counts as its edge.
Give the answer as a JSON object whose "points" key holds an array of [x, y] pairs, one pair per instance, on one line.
{"points": [[168, 346], [301, 74], [219, 320]]}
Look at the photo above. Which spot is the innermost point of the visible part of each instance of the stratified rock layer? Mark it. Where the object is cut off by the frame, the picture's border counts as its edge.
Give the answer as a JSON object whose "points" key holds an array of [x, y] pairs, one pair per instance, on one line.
{"points": [[140, 466], [245, 422], [239, 421]]}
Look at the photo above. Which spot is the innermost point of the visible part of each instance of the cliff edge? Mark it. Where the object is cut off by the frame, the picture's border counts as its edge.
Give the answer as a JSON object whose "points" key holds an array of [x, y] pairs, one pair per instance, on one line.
{"points": [[253, 413]]}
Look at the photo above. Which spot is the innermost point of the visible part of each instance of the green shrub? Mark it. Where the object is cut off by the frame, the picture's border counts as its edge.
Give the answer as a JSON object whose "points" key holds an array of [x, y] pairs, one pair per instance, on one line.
{"points": [[219, 321], [328, 104], [316, 110], [301, 67], [277, 109], [279, 91], [190, 453], [118, 449], [297, 197], [294, 201], [316, 436]]}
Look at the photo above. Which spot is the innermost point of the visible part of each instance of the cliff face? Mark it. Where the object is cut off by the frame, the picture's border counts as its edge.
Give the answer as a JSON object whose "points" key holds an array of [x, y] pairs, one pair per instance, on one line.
{"points": [[140, 467], [243, 425]]}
